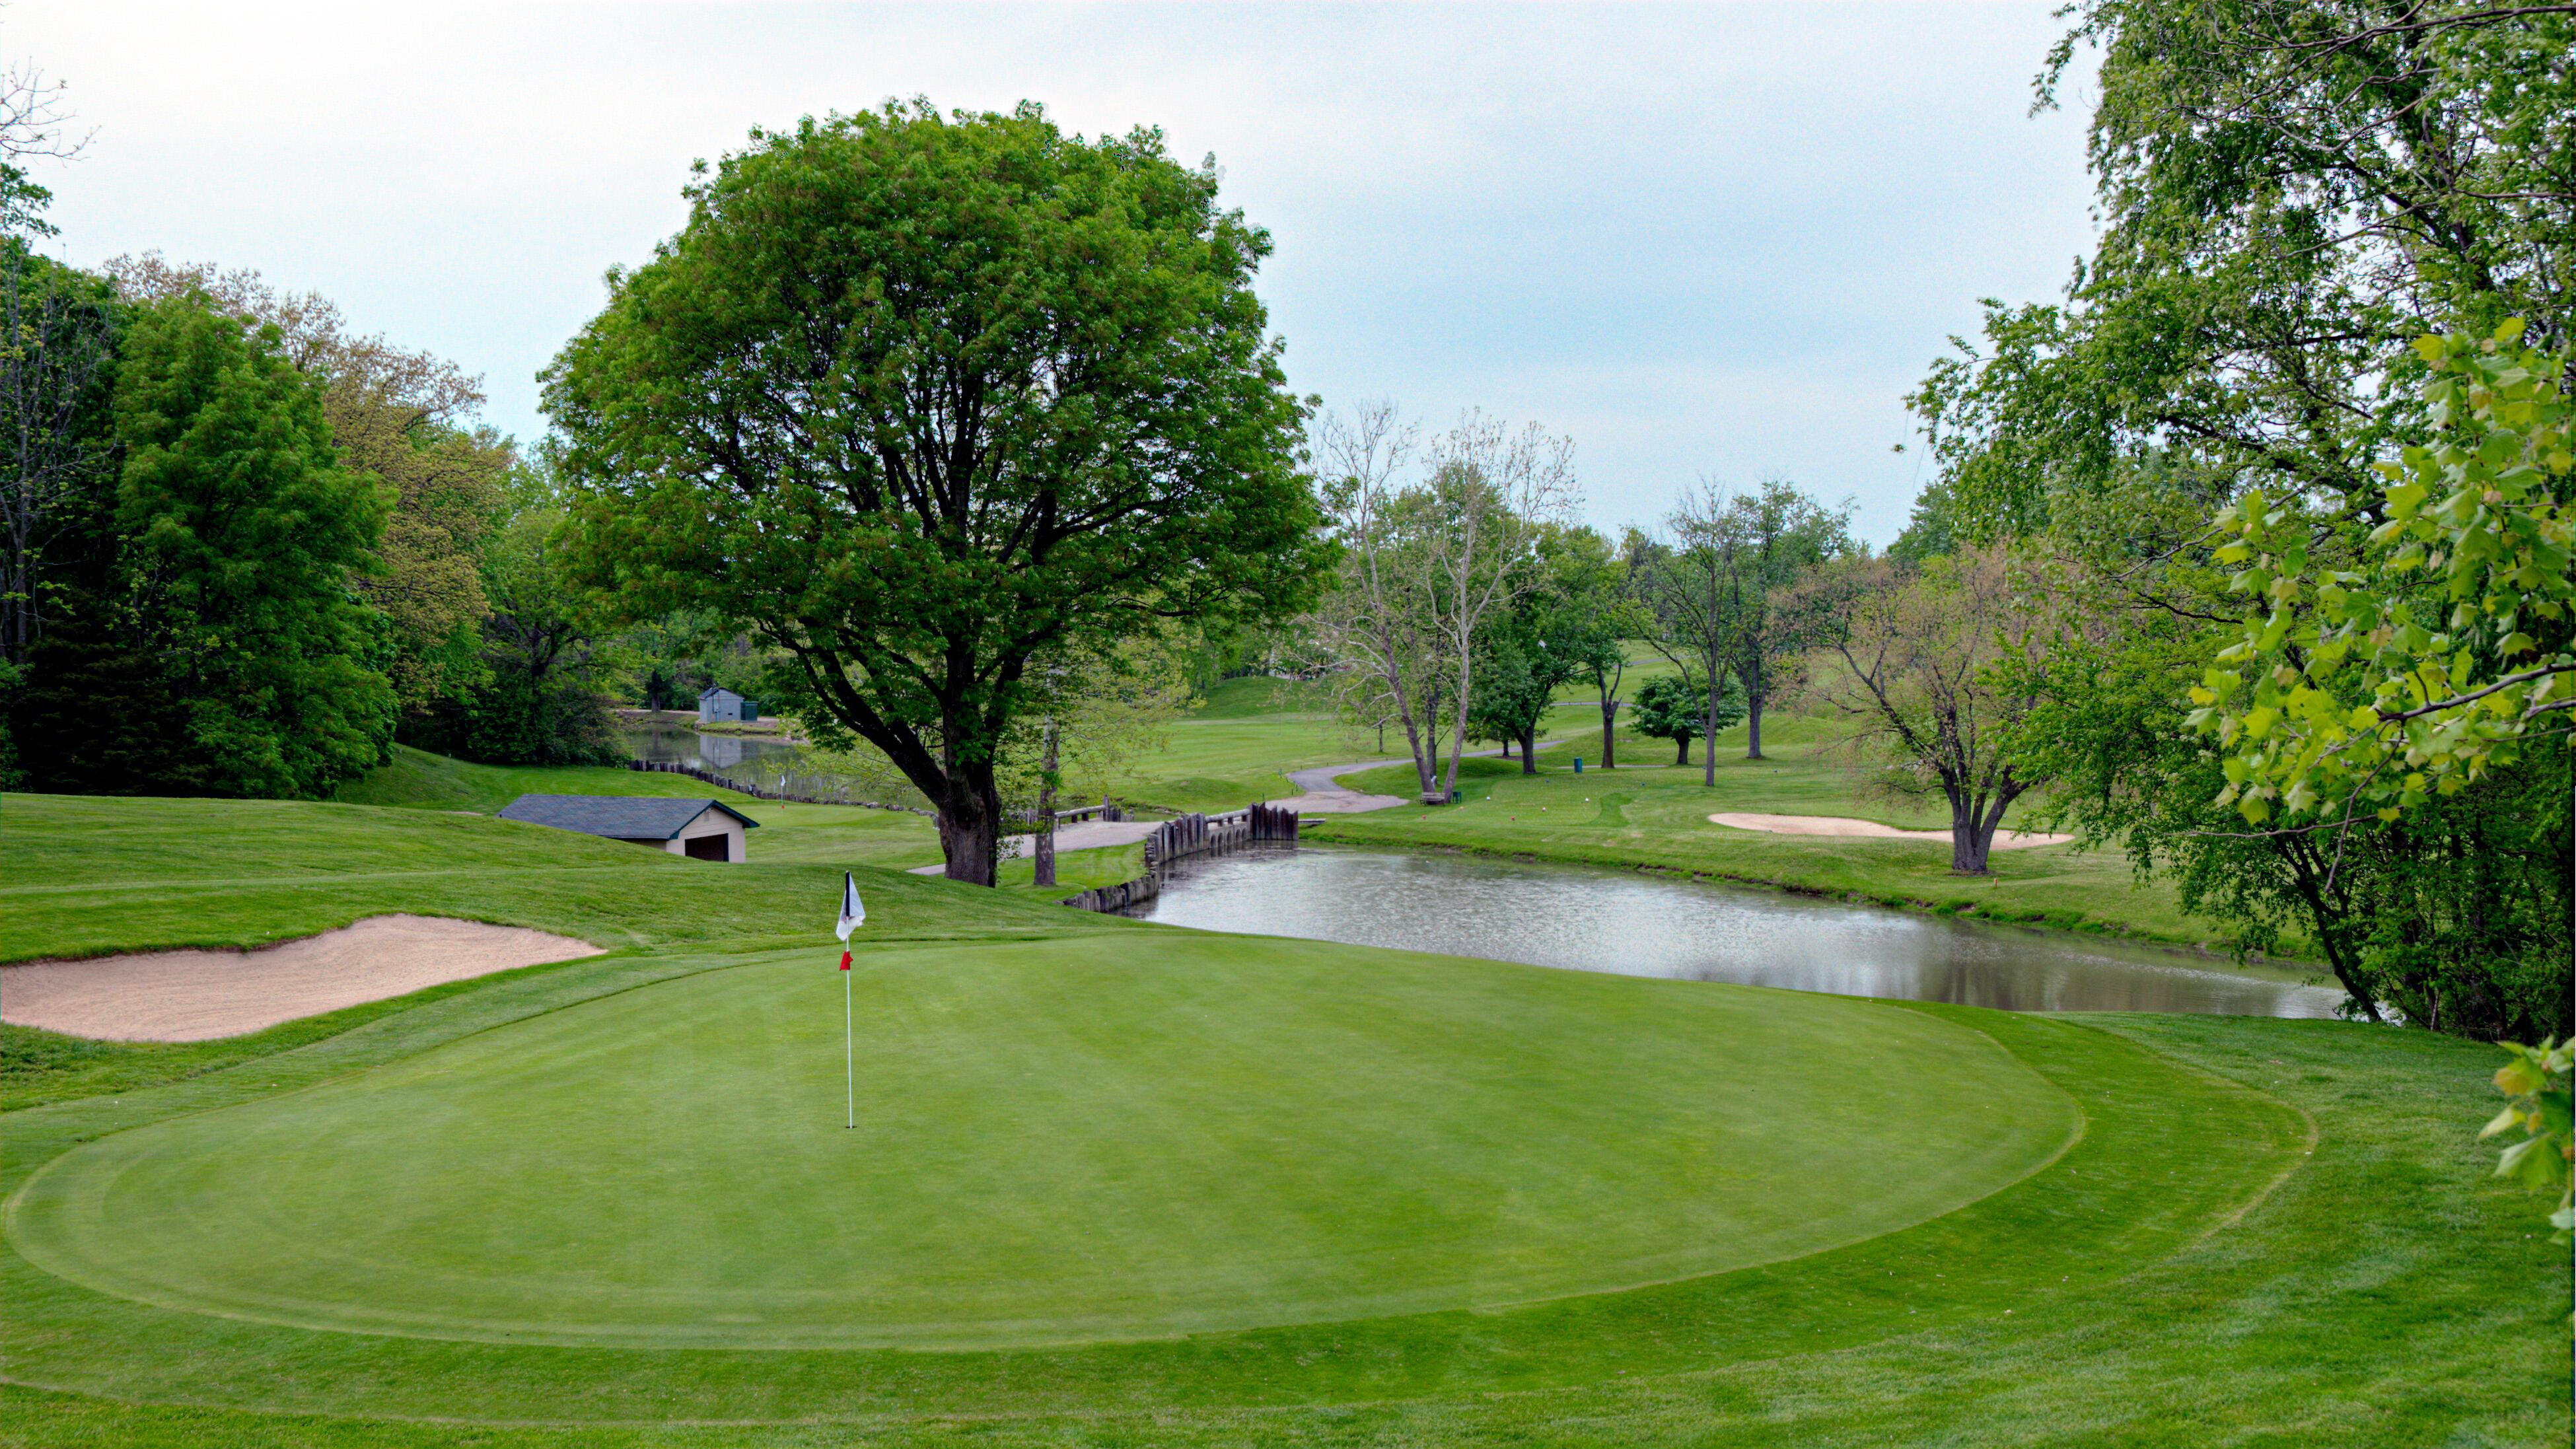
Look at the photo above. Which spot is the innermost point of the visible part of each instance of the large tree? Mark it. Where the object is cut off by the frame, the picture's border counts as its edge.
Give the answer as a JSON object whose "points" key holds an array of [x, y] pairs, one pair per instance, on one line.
{"points": [[917, 399], [1592, 614], [1676, 707], [57, 344], [540, 699], [2292, 194], [1565, 628]]}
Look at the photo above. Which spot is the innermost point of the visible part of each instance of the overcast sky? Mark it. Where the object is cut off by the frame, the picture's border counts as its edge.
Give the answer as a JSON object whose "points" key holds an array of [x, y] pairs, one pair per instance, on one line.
{"points": [[1716, 240]]}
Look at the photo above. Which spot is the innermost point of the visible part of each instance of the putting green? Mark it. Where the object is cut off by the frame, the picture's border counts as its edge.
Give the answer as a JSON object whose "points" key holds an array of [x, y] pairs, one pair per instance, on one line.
{"points": [[1077, 1140]]}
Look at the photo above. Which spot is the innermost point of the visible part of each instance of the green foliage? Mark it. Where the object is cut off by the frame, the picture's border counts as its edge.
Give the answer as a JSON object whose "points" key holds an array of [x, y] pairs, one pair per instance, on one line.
{"points": [[22, 203], [1669, 707], [540, 699], [2369, 688], [2536, 1085], [403, 416], [58, 331], [1523, 658], [1714, 594], [2456, 916], [916, 399], [229, 633], [2290, 194]]}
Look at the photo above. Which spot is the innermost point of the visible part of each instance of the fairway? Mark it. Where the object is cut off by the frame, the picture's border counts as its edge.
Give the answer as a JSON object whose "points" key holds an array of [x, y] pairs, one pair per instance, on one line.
{"points": [[1060, 1142]]}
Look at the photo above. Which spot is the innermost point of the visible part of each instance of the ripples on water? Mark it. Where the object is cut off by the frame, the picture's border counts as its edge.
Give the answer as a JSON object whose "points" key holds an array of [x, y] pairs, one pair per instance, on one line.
{"points": [[1639, 925]]}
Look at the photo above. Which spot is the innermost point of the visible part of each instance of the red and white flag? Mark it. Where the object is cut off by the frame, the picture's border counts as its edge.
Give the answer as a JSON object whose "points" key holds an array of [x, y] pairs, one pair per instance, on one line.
{"points": [[853, 915]]}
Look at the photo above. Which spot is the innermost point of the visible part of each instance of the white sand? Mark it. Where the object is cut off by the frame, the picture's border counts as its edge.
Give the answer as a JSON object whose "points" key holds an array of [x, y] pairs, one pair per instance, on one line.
{"points": [[1844, 825], [201, 995]]}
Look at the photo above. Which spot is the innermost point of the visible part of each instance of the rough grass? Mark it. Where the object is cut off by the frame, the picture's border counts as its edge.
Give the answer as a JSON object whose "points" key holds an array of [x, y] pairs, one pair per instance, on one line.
{"points": [[421, 779]]}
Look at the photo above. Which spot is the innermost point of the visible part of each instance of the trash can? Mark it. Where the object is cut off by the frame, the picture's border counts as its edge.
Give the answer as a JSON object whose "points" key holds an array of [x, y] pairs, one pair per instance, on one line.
{"points": [[1578, 764]]}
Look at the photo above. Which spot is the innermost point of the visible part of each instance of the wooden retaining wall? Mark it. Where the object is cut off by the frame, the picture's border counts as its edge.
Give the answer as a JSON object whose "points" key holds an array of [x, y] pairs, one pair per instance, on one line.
{"points": [[1117, 897], [1198, 834], [1190, 835]]}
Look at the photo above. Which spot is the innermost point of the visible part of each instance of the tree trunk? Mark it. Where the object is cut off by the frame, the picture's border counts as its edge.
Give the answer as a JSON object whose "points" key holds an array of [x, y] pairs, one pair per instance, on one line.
{"points": [[1458, 717], [1684, 742], [1753, 723], [1426, 767], [1529, 750], [1507, 747], [2327, 917], [1971, 838], [1046, 812], [1708, 732], [970, 818], [1973, 823], [1609, 718]]}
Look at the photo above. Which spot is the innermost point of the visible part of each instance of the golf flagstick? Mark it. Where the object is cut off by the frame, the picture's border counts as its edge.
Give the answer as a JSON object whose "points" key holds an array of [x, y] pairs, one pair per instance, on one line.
{"points": [[853, 915]]}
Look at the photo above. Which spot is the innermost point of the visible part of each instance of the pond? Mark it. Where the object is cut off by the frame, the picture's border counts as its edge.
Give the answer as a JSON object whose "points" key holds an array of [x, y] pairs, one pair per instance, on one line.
{"points": [[681, 745], [1640, 925]]}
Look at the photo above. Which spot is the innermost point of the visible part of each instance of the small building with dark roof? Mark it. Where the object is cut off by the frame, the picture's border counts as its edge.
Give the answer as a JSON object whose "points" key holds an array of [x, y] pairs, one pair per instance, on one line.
{"points": [[723, 706], [698, 829]]}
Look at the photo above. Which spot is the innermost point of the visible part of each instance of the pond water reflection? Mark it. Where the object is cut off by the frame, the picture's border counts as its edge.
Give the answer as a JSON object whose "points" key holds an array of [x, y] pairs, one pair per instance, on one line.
{"points": [[680, 745], [1605, 920]]}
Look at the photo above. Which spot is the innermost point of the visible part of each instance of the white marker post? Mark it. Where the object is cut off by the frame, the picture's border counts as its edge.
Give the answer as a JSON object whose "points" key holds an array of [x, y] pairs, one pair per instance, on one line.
{"points": [[853, 915]]}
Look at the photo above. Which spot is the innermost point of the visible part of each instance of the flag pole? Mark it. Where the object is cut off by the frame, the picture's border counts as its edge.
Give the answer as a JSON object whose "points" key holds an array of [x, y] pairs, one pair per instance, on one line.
{"points": [[854, 914]]}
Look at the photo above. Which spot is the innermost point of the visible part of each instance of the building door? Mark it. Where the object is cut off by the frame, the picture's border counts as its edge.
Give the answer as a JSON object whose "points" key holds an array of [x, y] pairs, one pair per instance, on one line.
{"points": [[707, 847]]}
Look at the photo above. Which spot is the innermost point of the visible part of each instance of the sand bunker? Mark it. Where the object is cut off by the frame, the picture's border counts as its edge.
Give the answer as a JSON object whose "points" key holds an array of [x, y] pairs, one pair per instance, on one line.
{"points": [[1843, 825], [200, 995]]}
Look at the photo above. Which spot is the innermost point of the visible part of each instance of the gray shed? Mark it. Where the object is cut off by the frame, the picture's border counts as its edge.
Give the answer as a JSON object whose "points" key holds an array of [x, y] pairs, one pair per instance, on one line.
{"points": [[698, 829], [723, 706]]}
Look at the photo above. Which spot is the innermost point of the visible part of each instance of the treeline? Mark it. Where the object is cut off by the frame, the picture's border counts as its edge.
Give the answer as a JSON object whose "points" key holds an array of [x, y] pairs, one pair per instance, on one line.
{"points": [[248, 548], [2250, 556], [2306, 642], [1465, 597]]}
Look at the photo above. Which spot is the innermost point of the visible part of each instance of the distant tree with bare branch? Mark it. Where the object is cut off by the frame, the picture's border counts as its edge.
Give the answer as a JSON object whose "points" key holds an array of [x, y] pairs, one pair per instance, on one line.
{"points": [[1935, 666], [1429, 559]]}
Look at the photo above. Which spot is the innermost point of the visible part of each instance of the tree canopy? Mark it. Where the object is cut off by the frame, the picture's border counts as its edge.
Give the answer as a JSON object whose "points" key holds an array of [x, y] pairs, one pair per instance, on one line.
{"points": [[2321, 678], [219, 624], [917, 398]]}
